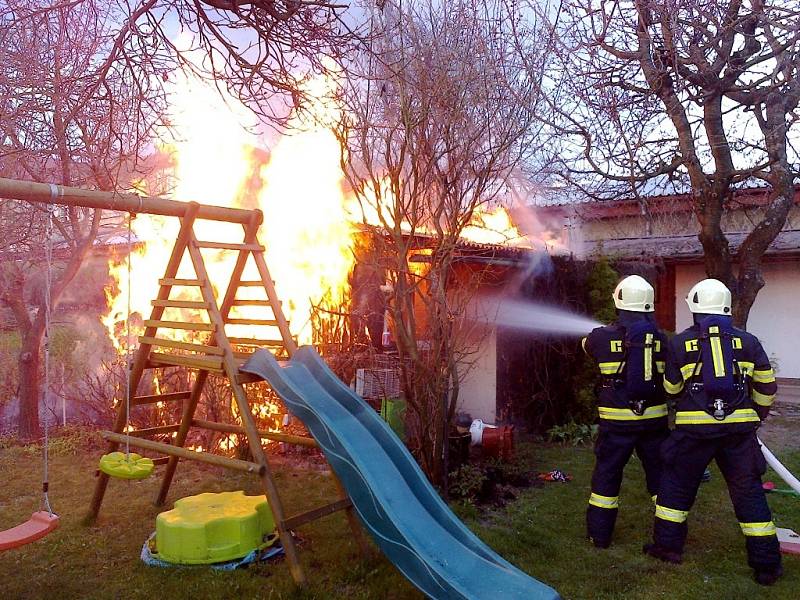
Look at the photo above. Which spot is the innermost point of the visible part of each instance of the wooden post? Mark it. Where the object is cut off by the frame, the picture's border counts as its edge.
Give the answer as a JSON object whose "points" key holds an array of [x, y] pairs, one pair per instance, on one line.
{"points": [[297, 440], [253, 438], [206, 457]]}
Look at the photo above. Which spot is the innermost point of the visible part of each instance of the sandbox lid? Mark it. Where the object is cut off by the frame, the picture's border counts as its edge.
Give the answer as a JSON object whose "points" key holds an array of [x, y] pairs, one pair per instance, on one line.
{"points": [[209, 528]]}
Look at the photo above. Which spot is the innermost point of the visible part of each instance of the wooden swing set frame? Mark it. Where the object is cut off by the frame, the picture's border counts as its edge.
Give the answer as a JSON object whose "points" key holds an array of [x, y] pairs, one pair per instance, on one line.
{"points": [[221, 355]]}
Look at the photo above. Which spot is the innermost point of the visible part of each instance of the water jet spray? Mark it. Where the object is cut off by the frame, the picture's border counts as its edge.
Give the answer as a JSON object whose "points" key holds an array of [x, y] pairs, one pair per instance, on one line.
{"points": [[523, 315]]}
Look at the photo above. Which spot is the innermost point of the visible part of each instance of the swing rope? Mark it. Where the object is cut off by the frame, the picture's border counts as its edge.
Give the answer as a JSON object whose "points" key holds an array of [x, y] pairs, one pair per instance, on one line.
{"points": [[127, 465], [128, 349], [45, 391]]}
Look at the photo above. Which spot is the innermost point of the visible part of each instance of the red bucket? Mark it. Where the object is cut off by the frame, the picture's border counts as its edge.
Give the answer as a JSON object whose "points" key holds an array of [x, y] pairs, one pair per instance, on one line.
{"points": [[499, 442]]}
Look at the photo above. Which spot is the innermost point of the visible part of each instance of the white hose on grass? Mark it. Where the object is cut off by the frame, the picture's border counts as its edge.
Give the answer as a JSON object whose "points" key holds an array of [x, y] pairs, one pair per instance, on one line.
{"points": [[784, 473]]}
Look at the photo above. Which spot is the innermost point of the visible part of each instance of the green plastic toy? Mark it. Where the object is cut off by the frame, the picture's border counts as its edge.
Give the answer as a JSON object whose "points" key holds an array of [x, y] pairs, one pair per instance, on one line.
{"points": [[393, 412], [210, 528], [122, 466]]}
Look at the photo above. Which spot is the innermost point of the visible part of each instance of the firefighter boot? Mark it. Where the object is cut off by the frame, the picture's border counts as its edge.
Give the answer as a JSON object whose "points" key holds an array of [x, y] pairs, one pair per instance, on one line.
{"points": [[660, 553], [764, 577]]}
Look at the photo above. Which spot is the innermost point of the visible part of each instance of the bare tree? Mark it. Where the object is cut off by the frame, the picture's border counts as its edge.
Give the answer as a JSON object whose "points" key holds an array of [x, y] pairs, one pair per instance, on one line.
{"points": [[698, 93], [434, 121], [64, 118], [262, 51], [80, 85]]}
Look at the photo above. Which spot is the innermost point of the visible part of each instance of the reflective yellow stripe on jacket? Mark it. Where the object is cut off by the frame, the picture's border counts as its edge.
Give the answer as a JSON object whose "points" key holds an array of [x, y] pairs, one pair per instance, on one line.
{"points": [[672, 388], [611, 368], [648, 357], [626, 414], [614, 367], [701, 417], [745, 367], [688, 370], [717, 356], [762, 399], [763, 375]]}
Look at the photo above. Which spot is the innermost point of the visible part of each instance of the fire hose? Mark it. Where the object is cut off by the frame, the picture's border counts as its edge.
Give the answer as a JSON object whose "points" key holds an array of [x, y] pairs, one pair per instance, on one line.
{"points": [[782, 471]]}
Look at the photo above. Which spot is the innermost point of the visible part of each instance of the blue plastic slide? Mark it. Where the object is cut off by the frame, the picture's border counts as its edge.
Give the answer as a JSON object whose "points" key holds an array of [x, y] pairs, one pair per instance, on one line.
{"points": [[408, 520]]}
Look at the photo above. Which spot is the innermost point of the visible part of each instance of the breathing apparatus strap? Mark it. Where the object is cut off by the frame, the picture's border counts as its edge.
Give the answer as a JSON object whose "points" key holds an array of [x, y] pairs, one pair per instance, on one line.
{"points": [[617, 381], [719, 408]]}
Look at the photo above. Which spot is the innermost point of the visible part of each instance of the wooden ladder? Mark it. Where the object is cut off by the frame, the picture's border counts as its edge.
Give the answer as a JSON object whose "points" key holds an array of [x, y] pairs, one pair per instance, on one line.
{"points": [[217, 355]]}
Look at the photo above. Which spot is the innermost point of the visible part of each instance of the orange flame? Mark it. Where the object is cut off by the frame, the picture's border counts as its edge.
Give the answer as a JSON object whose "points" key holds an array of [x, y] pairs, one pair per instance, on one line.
{"points": [[494, 226], [306, 225], [308, 218]]}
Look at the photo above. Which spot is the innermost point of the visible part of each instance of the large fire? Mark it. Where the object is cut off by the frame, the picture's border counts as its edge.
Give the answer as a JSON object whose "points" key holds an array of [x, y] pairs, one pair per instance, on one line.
{"points": [[308, 227], [306, 230], [308, 218]]}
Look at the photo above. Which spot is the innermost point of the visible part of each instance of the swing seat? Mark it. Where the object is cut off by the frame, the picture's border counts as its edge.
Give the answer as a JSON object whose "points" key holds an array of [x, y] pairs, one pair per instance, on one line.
{"points": [[39, 525], [132, 466]]}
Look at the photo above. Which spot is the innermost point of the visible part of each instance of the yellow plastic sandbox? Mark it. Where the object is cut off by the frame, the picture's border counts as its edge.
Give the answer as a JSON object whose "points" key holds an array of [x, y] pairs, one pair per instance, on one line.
{"points": [[210, 528]]}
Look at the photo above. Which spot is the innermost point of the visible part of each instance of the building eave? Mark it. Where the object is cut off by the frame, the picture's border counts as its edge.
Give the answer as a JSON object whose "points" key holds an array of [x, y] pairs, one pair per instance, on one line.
{"points": [[678, 248]]}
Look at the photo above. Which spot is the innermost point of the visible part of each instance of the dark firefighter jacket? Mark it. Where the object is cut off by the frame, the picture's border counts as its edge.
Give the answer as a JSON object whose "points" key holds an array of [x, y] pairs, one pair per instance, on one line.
{"points": [[606, 347], [684, 368]]}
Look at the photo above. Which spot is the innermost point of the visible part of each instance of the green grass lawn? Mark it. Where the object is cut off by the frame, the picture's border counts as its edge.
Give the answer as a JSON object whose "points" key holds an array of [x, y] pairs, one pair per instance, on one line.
{"points": [[542, 532]]}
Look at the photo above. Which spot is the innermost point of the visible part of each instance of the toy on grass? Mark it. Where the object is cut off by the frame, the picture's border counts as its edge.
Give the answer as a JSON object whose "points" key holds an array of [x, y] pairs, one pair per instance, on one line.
{"points": [[769, 487], [213, 528], [789, 541]]}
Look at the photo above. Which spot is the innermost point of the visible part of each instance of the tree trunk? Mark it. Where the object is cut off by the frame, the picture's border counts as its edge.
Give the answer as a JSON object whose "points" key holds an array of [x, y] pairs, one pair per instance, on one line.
{"points": [[437, 450], [716, 251], [29, 387], [750, 282], [751, 253], [782, 198]]}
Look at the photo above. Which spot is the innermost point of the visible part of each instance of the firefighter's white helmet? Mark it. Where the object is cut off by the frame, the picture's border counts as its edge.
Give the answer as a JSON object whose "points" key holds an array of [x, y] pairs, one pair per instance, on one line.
{"points": [[635, 294], [710, 297]]}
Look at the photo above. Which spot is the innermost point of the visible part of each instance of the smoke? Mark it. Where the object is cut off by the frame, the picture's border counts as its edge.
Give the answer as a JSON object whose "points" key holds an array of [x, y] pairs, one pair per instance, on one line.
{"points": [[537, 317], [551, 232]]}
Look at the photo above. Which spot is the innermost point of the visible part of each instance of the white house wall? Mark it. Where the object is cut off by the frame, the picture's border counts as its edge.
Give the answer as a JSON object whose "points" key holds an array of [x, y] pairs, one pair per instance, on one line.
{"points": [[774, 318], [478, 393]]}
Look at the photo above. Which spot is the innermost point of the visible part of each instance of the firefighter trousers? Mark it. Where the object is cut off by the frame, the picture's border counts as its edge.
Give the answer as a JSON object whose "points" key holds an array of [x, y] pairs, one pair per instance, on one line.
{"points": [[742, 464], [613, 449]]}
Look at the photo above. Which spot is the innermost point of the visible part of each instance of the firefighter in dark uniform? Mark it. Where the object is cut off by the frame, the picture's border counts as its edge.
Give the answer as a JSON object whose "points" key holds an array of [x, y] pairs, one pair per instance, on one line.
{"points": [[725, 386], [630, 355]]}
